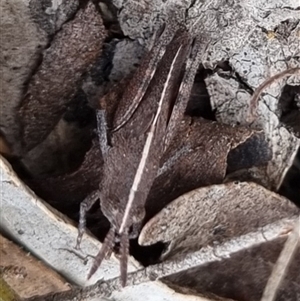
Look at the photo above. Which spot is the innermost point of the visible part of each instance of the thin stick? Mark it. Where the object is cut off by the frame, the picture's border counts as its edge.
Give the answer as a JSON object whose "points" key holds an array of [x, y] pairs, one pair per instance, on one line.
{"points": [[265, 84], [282, 263]]}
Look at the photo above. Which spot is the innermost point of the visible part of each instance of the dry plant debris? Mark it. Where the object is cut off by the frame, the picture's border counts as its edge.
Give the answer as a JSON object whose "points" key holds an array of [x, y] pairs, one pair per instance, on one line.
{"points": [[63, 60], [199, 155]]}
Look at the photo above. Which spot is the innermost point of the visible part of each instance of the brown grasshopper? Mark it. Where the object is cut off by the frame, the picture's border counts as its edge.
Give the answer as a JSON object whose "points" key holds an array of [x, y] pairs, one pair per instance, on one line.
{"points": [[133, 138]]}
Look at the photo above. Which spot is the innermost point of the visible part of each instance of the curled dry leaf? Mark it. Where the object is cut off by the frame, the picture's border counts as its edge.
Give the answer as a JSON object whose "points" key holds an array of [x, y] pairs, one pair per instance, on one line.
{"points": [[214, 214], [200, 154], [71, 52]]}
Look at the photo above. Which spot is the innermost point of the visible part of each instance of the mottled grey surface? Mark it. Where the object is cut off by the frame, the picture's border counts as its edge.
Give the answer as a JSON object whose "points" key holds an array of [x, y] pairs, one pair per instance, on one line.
{"points": [[214, 214]]}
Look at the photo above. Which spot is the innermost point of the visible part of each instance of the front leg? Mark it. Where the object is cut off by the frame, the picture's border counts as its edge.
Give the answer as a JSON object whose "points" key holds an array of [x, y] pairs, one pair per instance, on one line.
{"points": [[85, 206]]}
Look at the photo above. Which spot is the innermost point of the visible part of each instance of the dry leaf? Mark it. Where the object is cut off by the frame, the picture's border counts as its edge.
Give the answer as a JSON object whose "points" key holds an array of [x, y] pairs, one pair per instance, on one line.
{"points": [[20, 47], [214, 214], [71, 52], [200, 154]]}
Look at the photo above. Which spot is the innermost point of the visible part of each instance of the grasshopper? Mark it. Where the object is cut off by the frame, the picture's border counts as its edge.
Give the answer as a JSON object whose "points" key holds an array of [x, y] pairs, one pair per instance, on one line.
{"points": [[133, 135]]}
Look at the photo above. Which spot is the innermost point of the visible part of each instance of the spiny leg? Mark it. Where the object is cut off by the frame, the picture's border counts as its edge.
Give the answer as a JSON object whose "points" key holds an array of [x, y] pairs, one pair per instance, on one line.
{"points": [[106, 247], [124, 250], [85, 206]]}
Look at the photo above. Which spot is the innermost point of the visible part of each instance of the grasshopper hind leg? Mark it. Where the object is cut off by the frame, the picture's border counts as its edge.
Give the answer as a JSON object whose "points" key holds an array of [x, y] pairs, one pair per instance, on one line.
{"points": [[106, 249], [124, 250]]}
